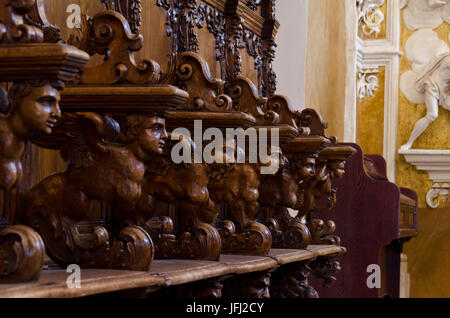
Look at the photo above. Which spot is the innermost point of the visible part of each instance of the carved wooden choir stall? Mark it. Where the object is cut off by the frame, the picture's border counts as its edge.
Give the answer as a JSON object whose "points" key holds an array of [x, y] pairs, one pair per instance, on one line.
{"points": [[381, 215], [136, 221]]}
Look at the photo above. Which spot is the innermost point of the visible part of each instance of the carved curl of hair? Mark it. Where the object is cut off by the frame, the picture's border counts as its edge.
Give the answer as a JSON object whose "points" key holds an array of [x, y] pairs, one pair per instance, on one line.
{"points": [[3, 101], [133, 125], [22, 89]]}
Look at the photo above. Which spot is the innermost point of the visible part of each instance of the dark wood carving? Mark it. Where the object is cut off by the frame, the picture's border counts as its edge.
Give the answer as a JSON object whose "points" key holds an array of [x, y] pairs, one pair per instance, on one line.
{"points": [[330, 166], [231, 36], [292, 281], [113, 130], [99, 169], [237, 186], [32, 108], [108, 34], [187, 185], [21, 254], [269, 46], [279, 192], [122, 200], [191, 73], [130, 9], [209, 289], [253, 44], [38, 18], [269, 85], [324, 268], [183, 16], [216, 22], [253, 4], [294, 178], [13, 27], [234, 43], [189, 17], [251, 286]]}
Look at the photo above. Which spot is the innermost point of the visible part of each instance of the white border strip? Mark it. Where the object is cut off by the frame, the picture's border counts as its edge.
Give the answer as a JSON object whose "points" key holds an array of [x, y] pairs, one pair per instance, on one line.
{"points": [[376, 53]]}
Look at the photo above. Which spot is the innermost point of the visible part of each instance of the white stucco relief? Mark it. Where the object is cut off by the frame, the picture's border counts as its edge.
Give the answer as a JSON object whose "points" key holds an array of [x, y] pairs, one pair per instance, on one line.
{"points": [[425, 14], [370, 15], [427, 82]]}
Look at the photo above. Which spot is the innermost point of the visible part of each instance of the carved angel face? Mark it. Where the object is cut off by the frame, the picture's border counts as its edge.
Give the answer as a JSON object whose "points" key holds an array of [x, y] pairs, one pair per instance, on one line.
{"points": [[39, 110], [151, 137], [308, 167]]}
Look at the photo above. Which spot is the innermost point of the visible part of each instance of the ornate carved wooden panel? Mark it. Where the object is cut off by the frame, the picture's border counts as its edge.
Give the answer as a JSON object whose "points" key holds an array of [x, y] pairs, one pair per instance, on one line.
{"points": [[155, 67]]}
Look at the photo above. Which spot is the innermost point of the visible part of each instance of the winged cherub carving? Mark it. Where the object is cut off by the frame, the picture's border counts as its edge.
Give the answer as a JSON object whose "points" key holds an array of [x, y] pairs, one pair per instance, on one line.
{"points": [[187, 185], [103, 164]]}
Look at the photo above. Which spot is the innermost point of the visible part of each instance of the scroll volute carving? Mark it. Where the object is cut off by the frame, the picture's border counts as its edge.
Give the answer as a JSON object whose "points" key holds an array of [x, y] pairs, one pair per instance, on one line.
{"points": [[191, 73], [33, 109], [310, 120], [283, 110], [275, 112], [13, 28], [245, 97], [109, 34], [21, 253], [300, 154]]}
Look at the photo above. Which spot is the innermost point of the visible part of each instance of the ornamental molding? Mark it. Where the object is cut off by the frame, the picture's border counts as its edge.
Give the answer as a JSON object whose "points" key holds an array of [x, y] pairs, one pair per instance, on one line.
{"points": [[374, 53], [437, 164], [368, 82], [370, 16]]}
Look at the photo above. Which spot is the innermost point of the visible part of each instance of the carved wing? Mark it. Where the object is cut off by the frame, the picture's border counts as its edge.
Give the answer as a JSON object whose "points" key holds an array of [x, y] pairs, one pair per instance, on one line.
{"points": [[81, 137]]}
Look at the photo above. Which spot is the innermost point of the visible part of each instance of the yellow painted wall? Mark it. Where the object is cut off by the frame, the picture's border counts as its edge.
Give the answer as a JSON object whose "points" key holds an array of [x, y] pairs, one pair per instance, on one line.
{"points": [[370, 118], [326, 62], [428, 254]]}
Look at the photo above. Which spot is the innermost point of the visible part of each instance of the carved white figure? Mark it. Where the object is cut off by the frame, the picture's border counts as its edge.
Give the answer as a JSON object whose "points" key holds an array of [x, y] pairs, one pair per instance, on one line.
{"points": [[434, 83], [425, 14], [427, 82]]}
